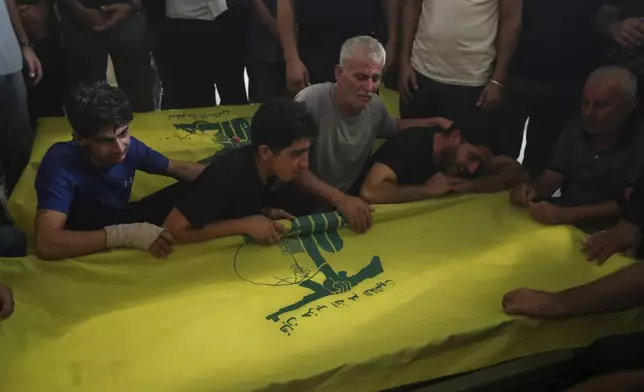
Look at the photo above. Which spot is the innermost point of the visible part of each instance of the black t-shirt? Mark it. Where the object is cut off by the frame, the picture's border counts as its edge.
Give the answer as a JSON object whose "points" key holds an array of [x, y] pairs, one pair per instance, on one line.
{"points": [[230, 188], [558, 41], [410, 154]]}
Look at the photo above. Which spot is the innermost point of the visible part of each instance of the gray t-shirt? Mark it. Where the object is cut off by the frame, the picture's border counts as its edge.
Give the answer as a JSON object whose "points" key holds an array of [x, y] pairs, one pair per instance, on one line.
{"points": [[592, 176], [10, 55], [340, 152]]}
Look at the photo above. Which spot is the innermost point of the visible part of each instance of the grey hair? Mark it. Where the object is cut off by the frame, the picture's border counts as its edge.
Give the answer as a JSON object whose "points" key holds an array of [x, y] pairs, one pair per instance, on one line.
{"points": [[624, 79], [363, 44]]}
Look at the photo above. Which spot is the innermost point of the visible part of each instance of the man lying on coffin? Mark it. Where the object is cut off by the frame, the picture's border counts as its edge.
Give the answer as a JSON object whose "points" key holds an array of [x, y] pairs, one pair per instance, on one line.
{"points": [[424, 163], [233, 195], [84, 185]]}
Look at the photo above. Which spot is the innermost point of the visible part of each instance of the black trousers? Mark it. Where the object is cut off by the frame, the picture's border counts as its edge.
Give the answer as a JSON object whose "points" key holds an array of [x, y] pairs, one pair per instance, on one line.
{"points": [[457, 103], [196, 55], [127, 43], [46, 98], [548, 106], [266, 80], [16, 136]]}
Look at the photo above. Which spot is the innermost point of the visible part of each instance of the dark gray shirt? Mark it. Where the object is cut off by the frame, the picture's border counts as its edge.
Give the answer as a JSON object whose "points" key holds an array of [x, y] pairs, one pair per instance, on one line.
{"points": [[592, 176]]}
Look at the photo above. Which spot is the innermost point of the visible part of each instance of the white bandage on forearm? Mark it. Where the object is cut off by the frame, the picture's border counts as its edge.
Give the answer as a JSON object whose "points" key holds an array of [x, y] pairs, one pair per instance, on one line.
{"points": [[133, 235]]}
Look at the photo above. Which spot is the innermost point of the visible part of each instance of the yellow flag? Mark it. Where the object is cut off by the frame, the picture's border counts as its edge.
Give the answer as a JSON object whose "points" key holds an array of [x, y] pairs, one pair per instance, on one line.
{"points": [[417, 297]]}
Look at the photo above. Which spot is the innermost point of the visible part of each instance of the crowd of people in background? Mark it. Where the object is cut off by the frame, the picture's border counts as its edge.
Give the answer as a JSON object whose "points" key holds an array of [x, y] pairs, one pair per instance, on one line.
{"points": [[469, 74]]}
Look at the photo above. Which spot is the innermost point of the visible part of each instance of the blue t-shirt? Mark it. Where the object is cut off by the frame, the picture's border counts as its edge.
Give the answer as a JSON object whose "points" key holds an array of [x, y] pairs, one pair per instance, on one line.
{"points": [[92, 197]]}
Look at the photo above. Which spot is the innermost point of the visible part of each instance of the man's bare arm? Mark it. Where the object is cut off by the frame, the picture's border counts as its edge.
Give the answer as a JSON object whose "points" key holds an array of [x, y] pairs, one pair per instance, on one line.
{"points": [[621, 290], [184, 171], [16, 22], [510, 20], [357, 212], [393, 12], [286, 26], [547, 183], [606, 210], [183, 232], [310, 183], [424, 122], [500, 174], [53, 242], [381, 187], [410, 15]]}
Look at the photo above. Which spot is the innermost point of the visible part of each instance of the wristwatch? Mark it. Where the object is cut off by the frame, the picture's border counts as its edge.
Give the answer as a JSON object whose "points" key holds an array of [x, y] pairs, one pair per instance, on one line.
{"points": [[26, 44]]}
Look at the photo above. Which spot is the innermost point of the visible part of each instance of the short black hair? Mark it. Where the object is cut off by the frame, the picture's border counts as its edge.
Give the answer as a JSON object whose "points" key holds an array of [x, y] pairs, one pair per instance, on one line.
{"points": [[281, 121], [90, 108]]}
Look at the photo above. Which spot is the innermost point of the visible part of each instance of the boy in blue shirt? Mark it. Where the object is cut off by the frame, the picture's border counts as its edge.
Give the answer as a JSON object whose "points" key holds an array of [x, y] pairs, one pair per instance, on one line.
{"points": [[84, 185]]}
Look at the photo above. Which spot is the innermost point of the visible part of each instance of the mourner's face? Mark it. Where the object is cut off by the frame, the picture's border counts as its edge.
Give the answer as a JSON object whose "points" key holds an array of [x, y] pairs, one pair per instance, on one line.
{"points": [[109, 146], [604, 109], [290, 162], [358, 80], [462, 160]]}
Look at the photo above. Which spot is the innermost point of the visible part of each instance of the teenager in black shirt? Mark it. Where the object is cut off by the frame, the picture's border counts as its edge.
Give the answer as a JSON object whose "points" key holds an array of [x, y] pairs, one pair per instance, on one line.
{"points": [[420, 164], [232, 196]]}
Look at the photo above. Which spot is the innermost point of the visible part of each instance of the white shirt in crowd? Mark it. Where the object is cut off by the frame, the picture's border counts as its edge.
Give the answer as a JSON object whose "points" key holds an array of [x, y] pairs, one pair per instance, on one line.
{"points": [[195, 9], [455, 41]]}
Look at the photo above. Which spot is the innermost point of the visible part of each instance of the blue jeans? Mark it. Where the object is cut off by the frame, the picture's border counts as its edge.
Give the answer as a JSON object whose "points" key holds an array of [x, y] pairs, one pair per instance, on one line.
{"points": [[16, 136], [12, 242]]}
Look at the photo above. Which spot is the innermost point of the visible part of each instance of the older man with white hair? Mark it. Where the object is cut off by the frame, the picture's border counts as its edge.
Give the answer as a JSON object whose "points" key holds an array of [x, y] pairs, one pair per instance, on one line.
{"points": [[596, 159], [350, 117]]}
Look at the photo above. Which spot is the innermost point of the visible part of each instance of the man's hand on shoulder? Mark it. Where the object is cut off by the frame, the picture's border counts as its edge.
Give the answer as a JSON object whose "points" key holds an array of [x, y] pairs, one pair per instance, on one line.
{"points": [[357, 212]]}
